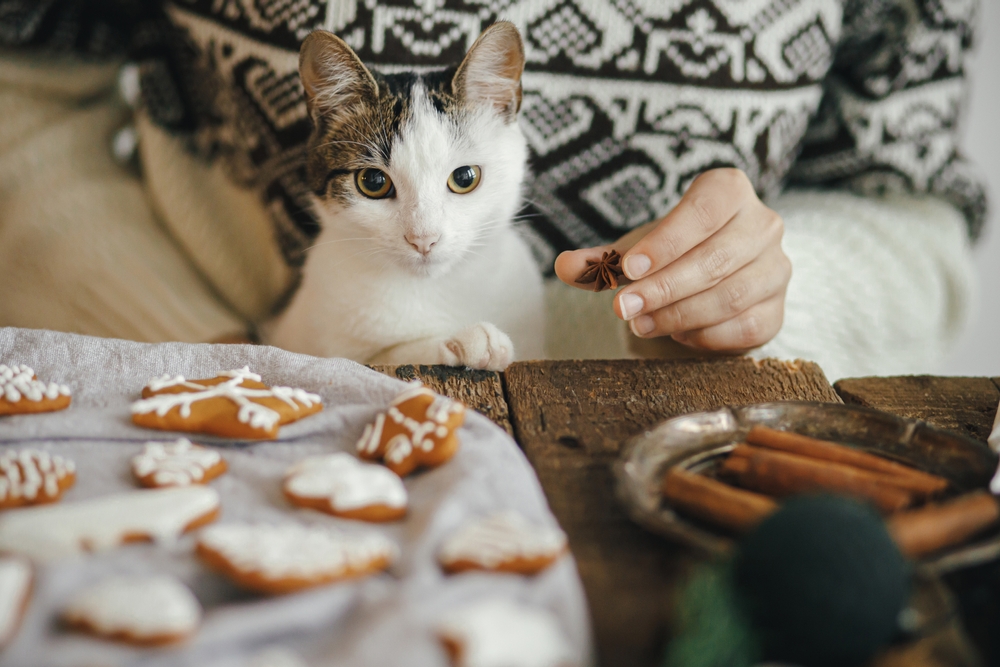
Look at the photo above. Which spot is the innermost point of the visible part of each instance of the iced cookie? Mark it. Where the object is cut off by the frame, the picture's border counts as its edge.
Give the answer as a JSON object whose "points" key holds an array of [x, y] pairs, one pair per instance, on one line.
{"points": [[504, 542], [498, 633], [16, 577], [22, 392], [146, 610], [419, 429], [50, 532], [33, 477], [341, 485], [289, 557], [177, 463], [236, 404]]}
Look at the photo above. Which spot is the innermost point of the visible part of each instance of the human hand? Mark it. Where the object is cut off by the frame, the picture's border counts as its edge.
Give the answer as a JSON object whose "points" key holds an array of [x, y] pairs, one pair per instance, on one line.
{"points": [[711, 274]]}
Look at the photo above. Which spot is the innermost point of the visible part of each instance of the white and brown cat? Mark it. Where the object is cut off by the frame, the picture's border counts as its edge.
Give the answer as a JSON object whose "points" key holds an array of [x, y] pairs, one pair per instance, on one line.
{"points": [[417, 178]]}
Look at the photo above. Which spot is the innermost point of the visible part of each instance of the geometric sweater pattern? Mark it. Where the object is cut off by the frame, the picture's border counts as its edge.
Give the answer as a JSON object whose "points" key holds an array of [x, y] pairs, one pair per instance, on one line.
{"points": [[625, 102]]}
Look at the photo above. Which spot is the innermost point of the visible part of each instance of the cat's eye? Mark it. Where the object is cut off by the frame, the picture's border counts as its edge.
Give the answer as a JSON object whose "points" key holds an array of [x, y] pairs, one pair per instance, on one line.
{"points": [[374, 183], [464, 179]]}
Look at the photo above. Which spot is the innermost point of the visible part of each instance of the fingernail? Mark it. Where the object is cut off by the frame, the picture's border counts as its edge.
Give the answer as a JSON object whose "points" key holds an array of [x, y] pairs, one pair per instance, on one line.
{"points": [[642, 325], [636, 266], [630, 305]]}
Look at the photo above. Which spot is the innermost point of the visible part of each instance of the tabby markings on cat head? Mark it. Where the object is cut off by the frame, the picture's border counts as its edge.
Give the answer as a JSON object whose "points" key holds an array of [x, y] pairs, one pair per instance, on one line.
{"points": [[422, 167]]}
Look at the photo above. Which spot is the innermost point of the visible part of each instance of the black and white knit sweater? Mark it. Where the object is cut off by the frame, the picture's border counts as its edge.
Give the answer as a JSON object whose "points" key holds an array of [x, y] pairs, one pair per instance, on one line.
{"points": [[625, 101]]}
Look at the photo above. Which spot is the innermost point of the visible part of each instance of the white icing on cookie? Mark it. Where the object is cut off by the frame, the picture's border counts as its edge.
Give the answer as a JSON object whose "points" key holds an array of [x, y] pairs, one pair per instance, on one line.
{"points": [[502, 537], [48, 532], [17, 382], [29, 472], [293, 550], [254, 414], [15, 586], [500, 633], [179, 463], [402, 445], [347, 482], [139, 606]]}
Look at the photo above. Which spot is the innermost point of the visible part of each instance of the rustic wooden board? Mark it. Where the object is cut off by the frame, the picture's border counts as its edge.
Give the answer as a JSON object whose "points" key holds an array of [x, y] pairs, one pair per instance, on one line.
{"points": [[480, 390], [571, 418], [962, 404]]}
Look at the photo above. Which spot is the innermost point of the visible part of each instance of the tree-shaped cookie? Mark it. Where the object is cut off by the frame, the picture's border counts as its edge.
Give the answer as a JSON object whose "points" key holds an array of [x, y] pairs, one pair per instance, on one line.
{"points": [[236, 404], [419, 429]]}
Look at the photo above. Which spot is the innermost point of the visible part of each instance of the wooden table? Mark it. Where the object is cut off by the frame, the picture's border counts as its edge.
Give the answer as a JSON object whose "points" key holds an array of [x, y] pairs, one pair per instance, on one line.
{"points": [[572, 417]]}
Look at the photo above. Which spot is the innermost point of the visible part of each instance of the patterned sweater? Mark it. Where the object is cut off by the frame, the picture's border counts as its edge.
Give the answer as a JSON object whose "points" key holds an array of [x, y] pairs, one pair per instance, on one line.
{"points": [[625, 101]]}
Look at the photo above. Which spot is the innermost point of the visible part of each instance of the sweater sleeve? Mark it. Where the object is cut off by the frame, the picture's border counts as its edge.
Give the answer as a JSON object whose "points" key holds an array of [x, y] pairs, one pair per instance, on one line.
{"points": [[879, 286], [892, 101]]}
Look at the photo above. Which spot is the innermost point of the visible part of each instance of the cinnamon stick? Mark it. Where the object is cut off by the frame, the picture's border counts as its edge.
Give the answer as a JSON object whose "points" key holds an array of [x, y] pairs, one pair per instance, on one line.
{"points": [[934, 527], [899, 474], [717, 503], [781, 474]]}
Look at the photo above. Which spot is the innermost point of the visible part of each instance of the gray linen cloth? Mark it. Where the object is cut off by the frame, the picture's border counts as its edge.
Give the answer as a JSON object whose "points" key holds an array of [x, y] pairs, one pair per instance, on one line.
{"points": [[382, 621]]}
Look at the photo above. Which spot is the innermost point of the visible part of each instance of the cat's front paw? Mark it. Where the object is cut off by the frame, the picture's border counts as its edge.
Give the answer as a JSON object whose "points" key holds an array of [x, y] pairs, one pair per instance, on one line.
{"points": [[480, 346]]}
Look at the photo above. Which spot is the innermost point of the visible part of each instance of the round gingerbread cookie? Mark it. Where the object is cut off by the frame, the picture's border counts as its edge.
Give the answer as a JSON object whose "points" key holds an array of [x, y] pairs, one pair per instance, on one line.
{"points": [[503, 542], [179, 463], [341, 485], [33, 477], [498, 632], [145, 610], [418, 430], [235, 404], [289, 557], [21, 392]]}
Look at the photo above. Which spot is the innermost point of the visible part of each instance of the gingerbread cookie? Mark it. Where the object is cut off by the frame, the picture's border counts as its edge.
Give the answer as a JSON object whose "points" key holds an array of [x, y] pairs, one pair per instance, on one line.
{"points": [[497, 633], [504, 542], [236, 404], [50, 532], [341, 485], [419, 429], [33, 477], [21, 392], [290, 557], [179, 463], [16, 578], [145, 610]]}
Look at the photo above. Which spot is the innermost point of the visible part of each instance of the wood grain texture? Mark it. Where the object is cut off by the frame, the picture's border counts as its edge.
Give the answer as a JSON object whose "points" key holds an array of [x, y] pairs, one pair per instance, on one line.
{"points": [[572, 417], [962, 404], [480, 390]]}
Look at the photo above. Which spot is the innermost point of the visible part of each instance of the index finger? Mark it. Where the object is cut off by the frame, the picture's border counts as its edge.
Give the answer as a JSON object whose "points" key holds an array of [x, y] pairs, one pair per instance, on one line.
{"points": [[713, 199]]}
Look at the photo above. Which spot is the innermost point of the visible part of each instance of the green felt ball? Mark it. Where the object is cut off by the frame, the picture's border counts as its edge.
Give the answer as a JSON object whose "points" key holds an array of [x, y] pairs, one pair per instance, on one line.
{"points": [[818, 584], [822, 582]]}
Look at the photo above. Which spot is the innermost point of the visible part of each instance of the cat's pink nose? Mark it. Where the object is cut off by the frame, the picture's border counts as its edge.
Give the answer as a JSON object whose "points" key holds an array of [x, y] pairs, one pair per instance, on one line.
{"points": [[422, 243]]}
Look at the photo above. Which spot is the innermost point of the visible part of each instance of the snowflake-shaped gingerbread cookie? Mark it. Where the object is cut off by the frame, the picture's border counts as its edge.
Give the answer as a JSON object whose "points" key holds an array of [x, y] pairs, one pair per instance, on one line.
{"points": [[21, 392], [179, 463], [419, 429], [236, 404]]}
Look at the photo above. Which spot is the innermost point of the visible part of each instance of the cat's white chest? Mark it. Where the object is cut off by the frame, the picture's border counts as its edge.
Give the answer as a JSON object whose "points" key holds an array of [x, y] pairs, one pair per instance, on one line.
{"points": [[363, 308]]}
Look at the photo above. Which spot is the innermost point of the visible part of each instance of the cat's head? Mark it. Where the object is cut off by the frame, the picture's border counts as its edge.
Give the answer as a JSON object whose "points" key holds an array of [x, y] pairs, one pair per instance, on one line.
{"points": [[421, 169]]}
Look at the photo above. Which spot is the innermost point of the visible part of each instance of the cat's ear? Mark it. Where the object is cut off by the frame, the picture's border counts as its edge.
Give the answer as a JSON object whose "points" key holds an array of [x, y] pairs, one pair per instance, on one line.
{"points": [[333, 76], [491, 71]]}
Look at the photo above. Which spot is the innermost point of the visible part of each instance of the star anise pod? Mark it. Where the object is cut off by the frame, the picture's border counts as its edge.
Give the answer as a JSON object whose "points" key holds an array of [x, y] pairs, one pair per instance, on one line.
{"points": [[604, 273]]}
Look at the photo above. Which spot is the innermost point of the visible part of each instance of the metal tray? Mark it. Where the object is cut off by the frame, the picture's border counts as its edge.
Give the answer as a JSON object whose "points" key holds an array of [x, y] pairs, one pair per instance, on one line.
{"points": [[698, 441]]}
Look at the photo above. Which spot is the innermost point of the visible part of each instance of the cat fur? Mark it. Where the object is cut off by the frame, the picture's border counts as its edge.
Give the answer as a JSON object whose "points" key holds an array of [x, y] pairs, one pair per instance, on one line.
{"points": [[427, 276]]}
